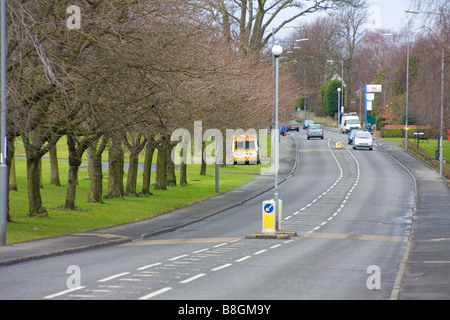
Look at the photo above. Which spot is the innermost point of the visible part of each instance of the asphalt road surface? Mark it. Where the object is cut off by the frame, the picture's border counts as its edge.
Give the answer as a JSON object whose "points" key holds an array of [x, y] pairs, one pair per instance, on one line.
{"points": [[351, 210]]}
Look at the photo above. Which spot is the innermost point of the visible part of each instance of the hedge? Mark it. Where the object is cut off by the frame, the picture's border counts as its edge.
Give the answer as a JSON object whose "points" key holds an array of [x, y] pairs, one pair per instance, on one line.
{"points": [[400, 133]]}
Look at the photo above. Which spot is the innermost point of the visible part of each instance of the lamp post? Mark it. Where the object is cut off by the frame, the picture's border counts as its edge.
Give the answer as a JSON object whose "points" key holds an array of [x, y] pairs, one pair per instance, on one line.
{"points": [[406, 97], [339, 114], [3, 141], [441, 133], [276, 52], [342, 85]]}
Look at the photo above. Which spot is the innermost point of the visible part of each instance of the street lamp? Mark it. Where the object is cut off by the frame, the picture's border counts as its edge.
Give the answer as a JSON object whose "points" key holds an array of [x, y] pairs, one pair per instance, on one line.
{"points": [[3, 141], [339, 114], [342, 81], [276, 52], [406, 97], [441, 133]]}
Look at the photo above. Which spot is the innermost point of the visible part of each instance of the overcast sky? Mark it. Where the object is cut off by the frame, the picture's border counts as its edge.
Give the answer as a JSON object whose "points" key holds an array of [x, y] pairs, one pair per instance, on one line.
{"points": [[385, 14], [390, 14]]}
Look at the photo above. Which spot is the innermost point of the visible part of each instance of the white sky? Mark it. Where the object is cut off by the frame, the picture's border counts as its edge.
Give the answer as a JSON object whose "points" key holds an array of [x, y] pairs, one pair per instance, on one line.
{"points": [[390, 14], [385, 14]]}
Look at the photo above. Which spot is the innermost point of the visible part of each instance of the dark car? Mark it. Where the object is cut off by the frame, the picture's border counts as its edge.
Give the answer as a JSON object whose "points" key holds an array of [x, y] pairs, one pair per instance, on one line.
{"points": [[293, 125], [306, 124]]}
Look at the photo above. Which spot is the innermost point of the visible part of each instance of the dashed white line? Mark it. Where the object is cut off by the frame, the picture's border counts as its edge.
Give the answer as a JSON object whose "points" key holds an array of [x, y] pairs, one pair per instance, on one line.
{"points": [[260, 251], [153, 294], [243, 259], [179, 257], [222, 267], [193, 278], [149, 266], [51, 296], [113, 277]]}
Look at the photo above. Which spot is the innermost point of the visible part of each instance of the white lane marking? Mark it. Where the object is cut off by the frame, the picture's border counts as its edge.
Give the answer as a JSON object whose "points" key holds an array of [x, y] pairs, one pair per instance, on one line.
{"points": [[243, 259], [51, 296], [113, 277], [149, 266], [153, 294], [179, 257], [221, 267], [260, 251], [193, 278]]}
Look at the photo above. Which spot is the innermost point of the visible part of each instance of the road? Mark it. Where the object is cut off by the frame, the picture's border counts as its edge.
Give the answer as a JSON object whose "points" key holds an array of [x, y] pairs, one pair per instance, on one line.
{"points": [[351, 210]]}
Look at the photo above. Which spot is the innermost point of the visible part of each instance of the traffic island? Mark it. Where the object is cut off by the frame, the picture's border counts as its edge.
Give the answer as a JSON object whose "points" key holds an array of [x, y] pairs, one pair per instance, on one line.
{"points": [[272, 235]]}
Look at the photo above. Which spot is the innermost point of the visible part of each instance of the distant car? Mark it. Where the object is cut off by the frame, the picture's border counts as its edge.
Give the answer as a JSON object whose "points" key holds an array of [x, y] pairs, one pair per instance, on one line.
{"points": [[363, 140], [351, 135], [306, 124], [315, 131], [293, 125]]}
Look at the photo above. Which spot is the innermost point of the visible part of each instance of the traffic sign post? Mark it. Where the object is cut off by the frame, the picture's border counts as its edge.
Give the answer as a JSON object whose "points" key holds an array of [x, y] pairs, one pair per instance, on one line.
{"points": [[268, 217]]}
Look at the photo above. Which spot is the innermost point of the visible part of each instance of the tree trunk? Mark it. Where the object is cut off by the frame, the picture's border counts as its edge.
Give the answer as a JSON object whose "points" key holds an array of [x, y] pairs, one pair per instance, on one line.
{"points": [[35, 208], [74, 164], [96, 185], [10, 163], [147, 174], [54, 177], [132, 174], [203, 165], [96, 169], [183, 173], [71, 187], [115, 173], [170, 168], [161, 183]]}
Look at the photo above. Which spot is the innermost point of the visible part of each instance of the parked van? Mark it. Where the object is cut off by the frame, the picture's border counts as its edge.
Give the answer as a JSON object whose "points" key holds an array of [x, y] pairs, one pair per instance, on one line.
{"points": [[349, 121], [245, 150]]}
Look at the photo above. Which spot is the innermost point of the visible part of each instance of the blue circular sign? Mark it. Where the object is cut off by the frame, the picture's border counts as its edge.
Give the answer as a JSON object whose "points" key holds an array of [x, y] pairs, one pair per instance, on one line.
{"points": [[268, 208]]}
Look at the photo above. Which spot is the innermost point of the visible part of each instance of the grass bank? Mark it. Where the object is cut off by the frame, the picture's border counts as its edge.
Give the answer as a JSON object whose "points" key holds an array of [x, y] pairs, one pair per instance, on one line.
{"points": [[90, 216], [426, 152]]}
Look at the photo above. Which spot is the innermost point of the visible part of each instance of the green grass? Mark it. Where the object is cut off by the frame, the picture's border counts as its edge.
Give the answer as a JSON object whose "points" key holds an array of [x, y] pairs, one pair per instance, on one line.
{"points": [[89, 216], [428, 146]]}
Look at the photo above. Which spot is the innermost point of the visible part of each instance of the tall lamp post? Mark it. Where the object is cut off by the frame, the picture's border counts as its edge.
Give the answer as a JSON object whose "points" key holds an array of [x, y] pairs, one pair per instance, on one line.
{"points": [[342, 86], [3, 141], [276, 52], [339, 107], [407, 93]]}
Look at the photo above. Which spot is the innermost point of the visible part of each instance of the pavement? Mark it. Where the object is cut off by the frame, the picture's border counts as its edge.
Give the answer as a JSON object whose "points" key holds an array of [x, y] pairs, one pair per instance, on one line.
{"points": [[424, 272]]}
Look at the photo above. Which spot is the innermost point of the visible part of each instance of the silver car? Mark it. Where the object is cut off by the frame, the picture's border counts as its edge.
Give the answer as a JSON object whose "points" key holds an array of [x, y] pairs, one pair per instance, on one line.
{"points": [[315, 131], [363, 140]]}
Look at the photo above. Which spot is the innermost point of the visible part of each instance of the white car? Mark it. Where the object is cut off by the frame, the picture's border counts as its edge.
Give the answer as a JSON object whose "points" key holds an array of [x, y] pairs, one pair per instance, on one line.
{"points": [[363, 140]]}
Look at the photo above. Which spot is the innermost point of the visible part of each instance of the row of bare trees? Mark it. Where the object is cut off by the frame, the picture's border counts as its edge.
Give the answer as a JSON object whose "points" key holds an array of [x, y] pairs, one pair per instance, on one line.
{"points": [[132, 73]]}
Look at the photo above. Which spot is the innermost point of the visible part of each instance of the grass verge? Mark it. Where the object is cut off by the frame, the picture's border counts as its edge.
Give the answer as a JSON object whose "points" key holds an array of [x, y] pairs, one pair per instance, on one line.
{"points": [[90, 216]]}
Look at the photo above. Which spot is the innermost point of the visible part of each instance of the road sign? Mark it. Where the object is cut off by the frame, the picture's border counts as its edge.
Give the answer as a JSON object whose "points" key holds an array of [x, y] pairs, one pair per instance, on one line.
{"points": [[268, 208], [268, 216]]}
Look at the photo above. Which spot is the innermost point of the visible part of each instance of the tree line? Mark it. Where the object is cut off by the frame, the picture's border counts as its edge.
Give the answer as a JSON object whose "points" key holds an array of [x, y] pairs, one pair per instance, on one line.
{"points": [[126, 74], [377, 56]]}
